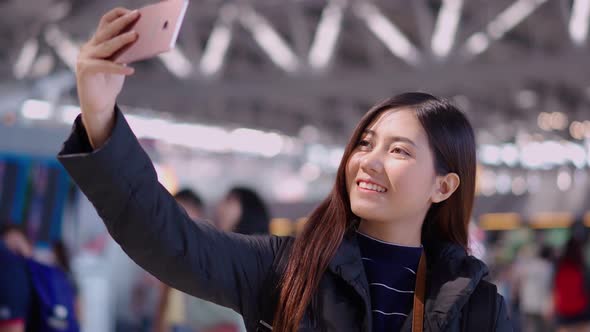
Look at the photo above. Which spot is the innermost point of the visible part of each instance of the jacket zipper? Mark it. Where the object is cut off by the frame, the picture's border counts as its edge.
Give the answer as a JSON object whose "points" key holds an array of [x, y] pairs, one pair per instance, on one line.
{"points": [[265, 324]]}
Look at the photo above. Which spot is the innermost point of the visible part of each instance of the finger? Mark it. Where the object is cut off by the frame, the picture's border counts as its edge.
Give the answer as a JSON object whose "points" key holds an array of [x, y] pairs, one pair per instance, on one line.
{"points": [[115, 27], [112, 14], [104, 67], [109, 47]]}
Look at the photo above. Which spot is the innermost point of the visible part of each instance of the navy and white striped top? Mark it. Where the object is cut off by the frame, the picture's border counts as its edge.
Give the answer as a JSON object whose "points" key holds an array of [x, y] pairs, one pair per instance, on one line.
{"points": [[391, 272]]}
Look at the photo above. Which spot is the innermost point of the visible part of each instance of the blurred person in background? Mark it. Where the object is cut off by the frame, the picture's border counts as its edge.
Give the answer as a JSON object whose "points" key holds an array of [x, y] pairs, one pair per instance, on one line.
{"points": [[15, 290], [399, 208], [570, 290], [242, 211], [533, 282], [33, 296]]}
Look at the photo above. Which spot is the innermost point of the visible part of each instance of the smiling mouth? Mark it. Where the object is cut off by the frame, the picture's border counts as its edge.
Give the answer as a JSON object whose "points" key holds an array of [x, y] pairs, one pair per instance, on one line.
{"points": [[371, 187]]}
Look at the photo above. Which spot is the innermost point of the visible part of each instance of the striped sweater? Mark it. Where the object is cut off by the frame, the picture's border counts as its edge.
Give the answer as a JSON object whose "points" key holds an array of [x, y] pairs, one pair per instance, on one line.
{"points": [[391, 272]]}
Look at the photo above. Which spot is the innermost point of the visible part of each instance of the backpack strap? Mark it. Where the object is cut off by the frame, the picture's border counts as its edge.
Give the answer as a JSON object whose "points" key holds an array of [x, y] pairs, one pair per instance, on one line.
{"points": [[419, 295], [479, 313]]}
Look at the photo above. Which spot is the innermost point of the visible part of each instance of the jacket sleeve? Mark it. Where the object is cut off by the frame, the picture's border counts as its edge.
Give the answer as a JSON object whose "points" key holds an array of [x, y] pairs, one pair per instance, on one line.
{"points": [[192, 256], [502, 321]]}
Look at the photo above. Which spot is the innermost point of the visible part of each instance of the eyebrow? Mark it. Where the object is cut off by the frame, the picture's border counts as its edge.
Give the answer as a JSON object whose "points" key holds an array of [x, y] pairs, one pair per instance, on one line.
{"points": [[392, 138]]}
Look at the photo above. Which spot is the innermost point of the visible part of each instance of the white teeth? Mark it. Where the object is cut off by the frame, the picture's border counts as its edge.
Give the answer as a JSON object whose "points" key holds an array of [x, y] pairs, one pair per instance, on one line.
{"points": [[372, 186]]}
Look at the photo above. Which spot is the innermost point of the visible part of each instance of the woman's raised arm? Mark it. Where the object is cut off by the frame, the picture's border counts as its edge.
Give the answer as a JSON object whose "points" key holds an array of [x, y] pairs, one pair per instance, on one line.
{"points": [[106, 161]]}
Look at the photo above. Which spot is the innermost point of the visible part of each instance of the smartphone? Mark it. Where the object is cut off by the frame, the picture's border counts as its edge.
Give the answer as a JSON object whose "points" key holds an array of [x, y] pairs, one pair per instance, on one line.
{"points": [[157, 28]]}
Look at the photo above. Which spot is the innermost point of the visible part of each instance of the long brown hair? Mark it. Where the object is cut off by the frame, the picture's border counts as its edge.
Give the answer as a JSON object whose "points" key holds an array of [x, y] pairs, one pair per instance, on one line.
{"points": [[452, 143]]}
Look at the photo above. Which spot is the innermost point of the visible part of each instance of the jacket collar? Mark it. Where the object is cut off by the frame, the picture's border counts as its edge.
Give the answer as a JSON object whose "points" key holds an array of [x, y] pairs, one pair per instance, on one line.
{"points": [[347, 264]]}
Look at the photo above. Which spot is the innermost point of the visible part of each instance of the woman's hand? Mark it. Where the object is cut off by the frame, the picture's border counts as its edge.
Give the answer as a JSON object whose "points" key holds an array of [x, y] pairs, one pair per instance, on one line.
{"points": [[99, 80]]}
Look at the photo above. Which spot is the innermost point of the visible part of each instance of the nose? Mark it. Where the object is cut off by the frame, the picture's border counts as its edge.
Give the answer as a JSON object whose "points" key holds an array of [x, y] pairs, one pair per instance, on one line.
{"points": [[371, 163]]}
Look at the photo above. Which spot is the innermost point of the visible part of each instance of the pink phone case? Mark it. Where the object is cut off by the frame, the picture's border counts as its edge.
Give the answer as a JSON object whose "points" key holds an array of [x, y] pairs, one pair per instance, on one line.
{"points": [[157, 28]]}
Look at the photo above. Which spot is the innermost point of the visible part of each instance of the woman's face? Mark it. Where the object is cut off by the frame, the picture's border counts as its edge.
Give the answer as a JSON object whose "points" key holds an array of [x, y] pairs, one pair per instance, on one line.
{"points": [[229, 211], [193, 211], [390, 175], [18, 243]]}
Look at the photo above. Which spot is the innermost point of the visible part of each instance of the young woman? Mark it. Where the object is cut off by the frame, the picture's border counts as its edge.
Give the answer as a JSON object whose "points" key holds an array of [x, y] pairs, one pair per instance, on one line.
{"points": [[571, 292], [242, 211], [385, 251]]}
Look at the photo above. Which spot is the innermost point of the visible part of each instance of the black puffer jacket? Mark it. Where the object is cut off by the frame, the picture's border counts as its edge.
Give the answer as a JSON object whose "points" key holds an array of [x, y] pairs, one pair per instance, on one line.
{"points": [[239, 271]]}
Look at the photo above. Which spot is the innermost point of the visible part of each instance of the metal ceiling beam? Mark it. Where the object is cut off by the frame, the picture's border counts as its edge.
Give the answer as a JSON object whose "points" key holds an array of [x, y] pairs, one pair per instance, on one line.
{"points": [[571, 68]]}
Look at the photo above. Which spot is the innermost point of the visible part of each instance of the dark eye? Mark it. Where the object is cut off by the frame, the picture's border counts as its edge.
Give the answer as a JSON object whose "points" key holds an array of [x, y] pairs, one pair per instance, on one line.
{"points": [[364, 144], [400, 150]]}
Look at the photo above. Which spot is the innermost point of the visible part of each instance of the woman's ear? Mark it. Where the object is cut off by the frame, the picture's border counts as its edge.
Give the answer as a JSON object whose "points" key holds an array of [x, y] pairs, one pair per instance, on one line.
{"points": [[445, 186]]}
